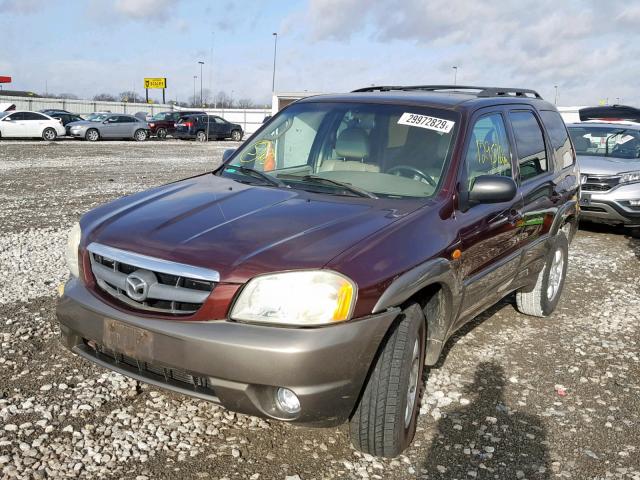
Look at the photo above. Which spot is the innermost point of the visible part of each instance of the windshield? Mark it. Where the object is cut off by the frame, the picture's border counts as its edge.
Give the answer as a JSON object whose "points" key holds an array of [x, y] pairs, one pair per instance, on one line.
{"points": [[4, 114], [383, 150], [610, 141], [98, 117], [162, 116]]}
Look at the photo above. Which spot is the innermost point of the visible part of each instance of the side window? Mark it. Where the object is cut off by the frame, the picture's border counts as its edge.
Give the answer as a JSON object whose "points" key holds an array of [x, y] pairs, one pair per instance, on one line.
{"points": [[488, 152], [33, 116], [532, 155], [124, 119], [16, 116], [559, 137], [219, 120]]}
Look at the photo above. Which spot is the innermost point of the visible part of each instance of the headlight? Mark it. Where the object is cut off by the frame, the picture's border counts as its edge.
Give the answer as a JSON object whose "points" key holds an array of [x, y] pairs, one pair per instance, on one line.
{"points": [[301, 298], [71, 255], [630, 177]]}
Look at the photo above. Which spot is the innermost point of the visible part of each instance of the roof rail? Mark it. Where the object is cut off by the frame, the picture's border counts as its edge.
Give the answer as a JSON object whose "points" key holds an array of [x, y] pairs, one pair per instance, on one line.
{"points": [[480, 91]]}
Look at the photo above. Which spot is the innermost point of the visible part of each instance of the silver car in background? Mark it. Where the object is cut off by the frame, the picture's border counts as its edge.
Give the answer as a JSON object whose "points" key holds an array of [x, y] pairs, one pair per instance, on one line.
{"points": [[609, 160], [109, 125]]}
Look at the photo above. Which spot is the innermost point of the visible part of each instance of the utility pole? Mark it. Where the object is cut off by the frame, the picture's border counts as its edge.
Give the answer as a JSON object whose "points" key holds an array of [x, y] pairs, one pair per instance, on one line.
{"points": [[556, 99], [455, 75], [275, 51], [194, 88], [201, 103]]}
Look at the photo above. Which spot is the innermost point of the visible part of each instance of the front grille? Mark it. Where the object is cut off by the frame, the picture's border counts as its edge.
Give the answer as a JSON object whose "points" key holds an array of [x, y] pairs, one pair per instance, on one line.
{"points": [[148, 283], [600, 183], [153, 371]]}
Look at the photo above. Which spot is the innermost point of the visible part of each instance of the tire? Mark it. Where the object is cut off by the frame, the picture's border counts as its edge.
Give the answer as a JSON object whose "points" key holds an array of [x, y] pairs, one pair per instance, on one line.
{"points": [[201, 136], [543, 299], [92, 135], [140, 135], [236, 135], [384, 422], [161, 133], [49, 134]]}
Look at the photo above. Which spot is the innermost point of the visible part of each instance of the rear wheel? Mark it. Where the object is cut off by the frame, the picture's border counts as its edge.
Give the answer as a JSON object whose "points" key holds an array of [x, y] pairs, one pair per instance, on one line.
{"points": [[384, 422], [161, 133], [236, 135], [92, 135], [201, 136], [543, 299], [49, 134], [140, 135]]}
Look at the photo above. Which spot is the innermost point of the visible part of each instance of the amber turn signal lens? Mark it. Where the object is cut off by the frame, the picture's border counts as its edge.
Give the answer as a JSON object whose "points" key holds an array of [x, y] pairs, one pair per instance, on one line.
{"points": [[456, 254], [345, 295]]}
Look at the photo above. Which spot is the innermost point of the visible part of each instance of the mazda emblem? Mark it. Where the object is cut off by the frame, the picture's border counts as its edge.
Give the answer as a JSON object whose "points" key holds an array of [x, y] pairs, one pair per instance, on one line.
{"points": [[137, 287]]}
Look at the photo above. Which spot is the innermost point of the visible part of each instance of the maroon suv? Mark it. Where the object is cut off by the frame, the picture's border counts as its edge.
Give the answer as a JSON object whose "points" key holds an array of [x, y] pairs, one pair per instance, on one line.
{"points": [[313, 275], [164, 123]]}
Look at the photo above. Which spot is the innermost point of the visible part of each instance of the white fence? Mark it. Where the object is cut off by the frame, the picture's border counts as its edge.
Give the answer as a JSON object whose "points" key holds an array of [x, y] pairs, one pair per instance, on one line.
{"points": [[249, 118]]}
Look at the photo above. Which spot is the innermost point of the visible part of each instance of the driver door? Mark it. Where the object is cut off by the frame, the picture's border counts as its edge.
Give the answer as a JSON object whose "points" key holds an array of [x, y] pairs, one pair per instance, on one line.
{"points": [[13, 125], [489, 233]]}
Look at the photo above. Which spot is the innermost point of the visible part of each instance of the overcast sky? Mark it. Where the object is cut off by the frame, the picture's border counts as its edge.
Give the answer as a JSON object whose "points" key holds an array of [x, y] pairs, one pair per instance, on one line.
{"points": [[589, 49]]}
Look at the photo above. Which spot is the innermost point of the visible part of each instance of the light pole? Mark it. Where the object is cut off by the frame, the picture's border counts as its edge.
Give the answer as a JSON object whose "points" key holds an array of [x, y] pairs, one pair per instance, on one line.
{"points": [[555, 102], [275, 51], [194, 88], [201, 64], [455, 75]]}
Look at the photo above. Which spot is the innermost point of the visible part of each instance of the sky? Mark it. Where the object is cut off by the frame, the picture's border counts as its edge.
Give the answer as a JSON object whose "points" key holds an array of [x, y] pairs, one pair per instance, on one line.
{"points": [[589, 49]]}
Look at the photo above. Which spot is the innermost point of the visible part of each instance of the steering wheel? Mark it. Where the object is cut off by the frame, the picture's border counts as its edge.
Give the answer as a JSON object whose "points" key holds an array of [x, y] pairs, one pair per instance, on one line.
{"points": [[398, 169]]}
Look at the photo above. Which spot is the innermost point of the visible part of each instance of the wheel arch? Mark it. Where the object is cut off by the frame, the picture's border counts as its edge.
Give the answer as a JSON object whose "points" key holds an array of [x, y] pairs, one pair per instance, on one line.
{"points": [[434, 287]]}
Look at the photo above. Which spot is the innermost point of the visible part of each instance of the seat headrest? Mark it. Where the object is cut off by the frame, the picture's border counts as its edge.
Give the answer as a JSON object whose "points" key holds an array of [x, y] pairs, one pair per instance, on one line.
{"points": [[353, 143], [581, 143]]}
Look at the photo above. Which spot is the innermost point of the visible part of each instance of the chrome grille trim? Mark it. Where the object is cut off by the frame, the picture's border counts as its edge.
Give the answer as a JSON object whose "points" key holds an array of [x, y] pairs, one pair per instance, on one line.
{"points": [[154, 264], [600, 183], [187, 289]]}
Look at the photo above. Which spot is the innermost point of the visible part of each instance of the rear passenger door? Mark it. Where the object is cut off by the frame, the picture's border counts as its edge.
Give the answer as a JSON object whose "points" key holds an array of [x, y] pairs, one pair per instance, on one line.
{"points": [[536, 178], [35, 123], [489, 233]]}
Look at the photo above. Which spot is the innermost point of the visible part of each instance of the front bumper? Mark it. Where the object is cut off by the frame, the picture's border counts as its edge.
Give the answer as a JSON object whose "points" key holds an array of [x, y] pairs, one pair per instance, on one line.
{"points": [[76, 133], [612, 206], [236, 365]]}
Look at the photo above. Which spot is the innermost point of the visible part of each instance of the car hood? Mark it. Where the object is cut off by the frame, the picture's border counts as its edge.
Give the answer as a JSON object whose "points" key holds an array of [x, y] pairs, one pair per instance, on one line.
{"points": [[239, 230], [83, 123], [607, 165]]}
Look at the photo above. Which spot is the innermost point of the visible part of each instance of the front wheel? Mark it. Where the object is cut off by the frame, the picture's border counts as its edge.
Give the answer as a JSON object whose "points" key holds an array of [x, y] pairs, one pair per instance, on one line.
{"points": [[92, 135], [49, 134], [543, 299], [385, 420], [236, 135], [140, 135], [161, 133], [201, 136]]}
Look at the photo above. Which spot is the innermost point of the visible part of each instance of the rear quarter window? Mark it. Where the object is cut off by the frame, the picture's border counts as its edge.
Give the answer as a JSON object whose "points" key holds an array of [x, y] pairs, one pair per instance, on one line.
{"points": [[559, 136]]}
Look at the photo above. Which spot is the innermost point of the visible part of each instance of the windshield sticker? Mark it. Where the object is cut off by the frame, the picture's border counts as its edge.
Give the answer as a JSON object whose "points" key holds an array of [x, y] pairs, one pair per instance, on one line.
{"points": [[492, 154], [425, 121]]}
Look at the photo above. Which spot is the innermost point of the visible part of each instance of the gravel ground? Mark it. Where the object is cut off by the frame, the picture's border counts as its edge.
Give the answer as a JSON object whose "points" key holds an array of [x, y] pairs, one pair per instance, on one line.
{"points": [[513, 397]]}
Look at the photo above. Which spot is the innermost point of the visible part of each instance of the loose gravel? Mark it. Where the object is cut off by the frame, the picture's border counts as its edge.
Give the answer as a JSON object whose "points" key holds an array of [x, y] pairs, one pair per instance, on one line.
{"points": [[512, 397]]}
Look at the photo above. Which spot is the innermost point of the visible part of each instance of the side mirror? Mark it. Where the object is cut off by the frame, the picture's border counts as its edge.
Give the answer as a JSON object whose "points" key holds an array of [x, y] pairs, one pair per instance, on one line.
{"points": [[105, 122], [492, 189], [227, 154]]}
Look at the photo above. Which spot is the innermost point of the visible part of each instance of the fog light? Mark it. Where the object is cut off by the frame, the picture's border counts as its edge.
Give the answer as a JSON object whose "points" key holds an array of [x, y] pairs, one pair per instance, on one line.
{"points": [[287, 401]]}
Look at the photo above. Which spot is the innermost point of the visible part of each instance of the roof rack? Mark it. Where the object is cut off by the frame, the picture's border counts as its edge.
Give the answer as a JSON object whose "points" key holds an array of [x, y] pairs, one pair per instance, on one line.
{"points": [[480, 91]]}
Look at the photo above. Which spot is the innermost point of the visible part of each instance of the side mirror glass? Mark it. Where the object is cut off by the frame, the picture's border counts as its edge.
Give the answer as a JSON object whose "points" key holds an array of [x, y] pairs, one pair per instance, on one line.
{"points": [[492, 189], [227, 154]]}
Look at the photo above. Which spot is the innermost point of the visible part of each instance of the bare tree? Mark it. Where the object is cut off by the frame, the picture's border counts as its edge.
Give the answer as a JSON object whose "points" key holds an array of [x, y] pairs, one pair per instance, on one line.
{"points": [[222, 100], [246, 103], [104, 97], [131, 97]]}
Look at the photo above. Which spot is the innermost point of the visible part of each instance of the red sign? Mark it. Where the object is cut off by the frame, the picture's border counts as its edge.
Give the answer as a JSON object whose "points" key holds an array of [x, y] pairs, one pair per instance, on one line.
{"points": [[5, 79]]}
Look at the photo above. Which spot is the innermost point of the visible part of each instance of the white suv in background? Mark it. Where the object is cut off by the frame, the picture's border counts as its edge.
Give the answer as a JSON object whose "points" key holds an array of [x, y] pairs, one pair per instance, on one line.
{"points": [[24, 124]]}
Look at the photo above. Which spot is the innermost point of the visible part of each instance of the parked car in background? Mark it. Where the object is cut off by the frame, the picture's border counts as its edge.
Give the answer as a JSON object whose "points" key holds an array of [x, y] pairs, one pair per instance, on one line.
{"points": [[312, 275], [52, 112], [67, 118], [93, 115], [164, 123], [609, 158], [25, 124], [610, 113], [109, 125], [196, 127]]}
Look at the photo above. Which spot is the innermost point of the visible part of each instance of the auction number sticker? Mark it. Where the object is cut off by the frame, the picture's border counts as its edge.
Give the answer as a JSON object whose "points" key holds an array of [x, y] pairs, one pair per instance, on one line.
{"points": [[425, 121]]}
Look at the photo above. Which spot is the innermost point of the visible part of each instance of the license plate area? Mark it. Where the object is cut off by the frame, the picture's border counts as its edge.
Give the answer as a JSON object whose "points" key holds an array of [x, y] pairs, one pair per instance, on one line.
{"points": [[132, 341]]}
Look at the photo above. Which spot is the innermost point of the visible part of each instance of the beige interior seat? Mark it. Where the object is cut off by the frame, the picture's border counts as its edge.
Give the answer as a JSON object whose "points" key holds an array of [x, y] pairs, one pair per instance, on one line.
{"points": [[352, 148]]}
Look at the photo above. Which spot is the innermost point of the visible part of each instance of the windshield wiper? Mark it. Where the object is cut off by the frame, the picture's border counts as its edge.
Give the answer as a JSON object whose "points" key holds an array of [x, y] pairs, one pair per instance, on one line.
{"points": [[250, 172], [327, 181]]}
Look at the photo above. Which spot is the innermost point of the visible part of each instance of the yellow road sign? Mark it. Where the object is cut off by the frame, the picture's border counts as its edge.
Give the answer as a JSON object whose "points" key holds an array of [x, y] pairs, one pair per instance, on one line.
{"points": [[155, 83]]}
